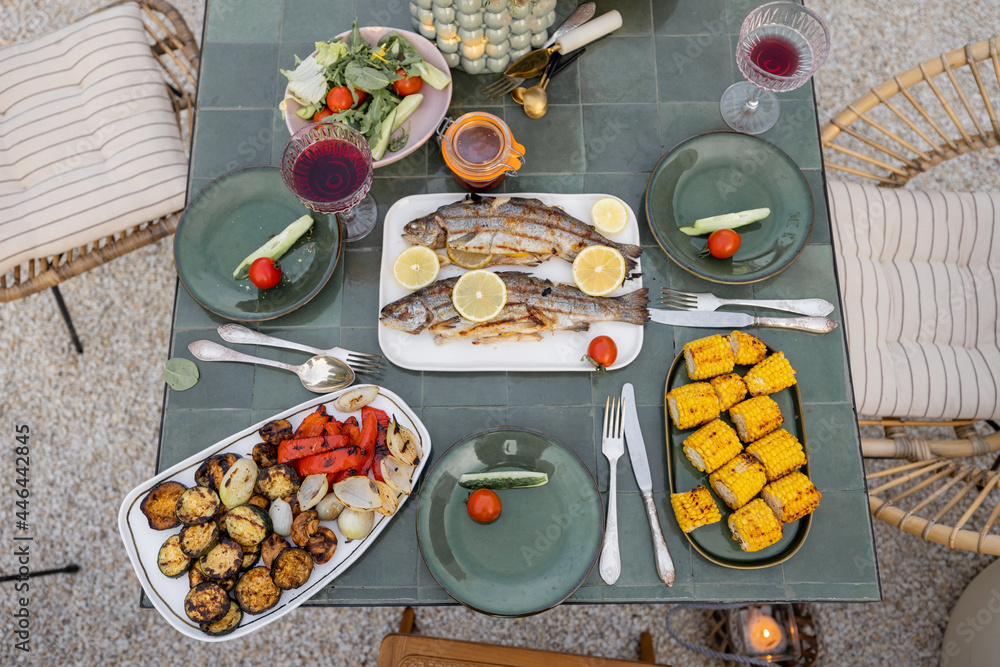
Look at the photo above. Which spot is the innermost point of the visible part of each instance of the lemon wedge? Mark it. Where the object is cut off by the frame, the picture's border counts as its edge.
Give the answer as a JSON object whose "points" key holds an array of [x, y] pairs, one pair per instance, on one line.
{"points": [[469, 260], [416, 267], [598, 270], [479, 295], [609, 215]]}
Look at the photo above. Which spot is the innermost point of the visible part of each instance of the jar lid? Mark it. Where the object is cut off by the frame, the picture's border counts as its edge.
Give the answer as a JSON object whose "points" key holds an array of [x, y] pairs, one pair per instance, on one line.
{"points": [[480, 147]]}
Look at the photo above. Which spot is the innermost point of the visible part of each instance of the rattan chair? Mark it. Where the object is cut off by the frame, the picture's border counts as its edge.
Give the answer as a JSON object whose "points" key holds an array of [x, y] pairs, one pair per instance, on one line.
{"points": [[941, 109], [176, 53]]}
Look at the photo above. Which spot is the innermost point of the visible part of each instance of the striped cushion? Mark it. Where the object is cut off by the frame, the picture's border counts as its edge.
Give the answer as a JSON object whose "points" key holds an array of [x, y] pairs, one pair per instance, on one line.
{"points": [[918, 275], [89, 143]]}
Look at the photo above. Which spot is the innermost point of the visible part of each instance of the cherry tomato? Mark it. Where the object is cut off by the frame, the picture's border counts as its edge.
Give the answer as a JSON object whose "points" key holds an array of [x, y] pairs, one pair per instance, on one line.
{"points": [[408, 84], [340, 99], [602, 352], [264, 273], [483, 505], [321, 114], [723, 243]]}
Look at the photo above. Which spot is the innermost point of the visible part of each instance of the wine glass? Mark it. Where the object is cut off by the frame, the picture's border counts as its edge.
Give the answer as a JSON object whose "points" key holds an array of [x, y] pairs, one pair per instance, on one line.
{"points": [[328, 166], [781, 45]]}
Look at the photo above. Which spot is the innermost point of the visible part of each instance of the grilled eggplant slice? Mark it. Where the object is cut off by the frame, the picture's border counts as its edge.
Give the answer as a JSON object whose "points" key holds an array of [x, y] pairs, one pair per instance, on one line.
{"points": [[226, 624], [198, 505], [270, 549], [291, 568], [276, 430], [223, 561], [214, 468], [321, 545], [248, 524], [304, 525], [198, 539], [238, 484], [160, 505], [265, 455], [206, 603], [250, 557], [171, 560], [278, 481], [196, 576], [255, 592]]}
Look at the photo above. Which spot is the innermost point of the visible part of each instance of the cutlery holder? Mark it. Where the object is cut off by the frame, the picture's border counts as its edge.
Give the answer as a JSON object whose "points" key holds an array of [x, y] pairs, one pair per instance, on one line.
{"points": [[483, 35]]}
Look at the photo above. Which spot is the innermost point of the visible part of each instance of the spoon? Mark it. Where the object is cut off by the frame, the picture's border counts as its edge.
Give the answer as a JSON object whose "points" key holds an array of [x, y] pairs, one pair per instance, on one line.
{"points": [[320, 374], [557, 65], [536, 100]]}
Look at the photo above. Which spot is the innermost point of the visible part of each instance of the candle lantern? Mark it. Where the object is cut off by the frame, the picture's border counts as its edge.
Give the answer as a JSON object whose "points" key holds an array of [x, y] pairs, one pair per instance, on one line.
{"points": [[766, 631]]}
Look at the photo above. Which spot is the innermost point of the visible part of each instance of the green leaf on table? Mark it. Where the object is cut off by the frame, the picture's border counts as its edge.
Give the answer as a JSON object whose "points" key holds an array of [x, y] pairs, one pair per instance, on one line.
{"points": [[180, 373]]}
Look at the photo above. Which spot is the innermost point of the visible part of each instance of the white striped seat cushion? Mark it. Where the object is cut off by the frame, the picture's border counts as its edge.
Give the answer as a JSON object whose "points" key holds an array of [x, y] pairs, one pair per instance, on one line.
{"points": [[89, 143], [918, 275]]}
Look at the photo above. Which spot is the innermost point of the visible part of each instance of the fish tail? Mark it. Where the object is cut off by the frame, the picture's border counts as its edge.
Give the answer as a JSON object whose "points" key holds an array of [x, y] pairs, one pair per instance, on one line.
{"points": [[629, 252], [632, 307]]}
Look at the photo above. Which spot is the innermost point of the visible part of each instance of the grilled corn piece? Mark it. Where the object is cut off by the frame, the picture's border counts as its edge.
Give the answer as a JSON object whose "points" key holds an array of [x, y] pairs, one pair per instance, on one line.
{"points": [[755, 417], [748, 349], [730, 388], [708, 357], [695, 508], [771, 375], [754, 526], [791, 497], [739, 480], [780, 452], [692, 404], [712, 445]]}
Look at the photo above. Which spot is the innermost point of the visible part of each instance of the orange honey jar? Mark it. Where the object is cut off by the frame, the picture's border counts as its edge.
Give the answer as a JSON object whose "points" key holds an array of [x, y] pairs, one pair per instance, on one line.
{"points": [[480, 150]]}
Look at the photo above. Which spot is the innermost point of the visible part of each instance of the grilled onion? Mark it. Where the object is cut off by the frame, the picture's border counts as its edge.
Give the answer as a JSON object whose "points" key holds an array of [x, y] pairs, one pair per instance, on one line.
{"points": [[355, 399], [397, 474], [281, 516], [330, 507], [403, 443], [358, 492], [356, 524], [313, 488]]}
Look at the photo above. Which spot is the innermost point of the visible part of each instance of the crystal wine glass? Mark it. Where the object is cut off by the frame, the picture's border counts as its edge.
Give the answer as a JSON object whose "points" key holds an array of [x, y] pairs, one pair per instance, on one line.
{"points": [[781, 45], [328, 166]]}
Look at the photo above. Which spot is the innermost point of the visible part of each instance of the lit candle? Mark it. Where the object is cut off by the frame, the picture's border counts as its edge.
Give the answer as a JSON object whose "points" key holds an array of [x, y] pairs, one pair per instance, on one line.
{"points": [[763, 632]]}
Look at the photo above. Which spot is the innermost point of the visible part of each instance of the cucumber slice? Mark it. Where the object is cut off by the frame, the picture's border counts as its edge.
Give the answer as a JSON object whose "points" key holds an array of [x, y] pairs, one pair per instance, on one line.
{"points": [[431, 75], [727, 221], [404, 109], [277, 246], [503, 479], [384, 132]]}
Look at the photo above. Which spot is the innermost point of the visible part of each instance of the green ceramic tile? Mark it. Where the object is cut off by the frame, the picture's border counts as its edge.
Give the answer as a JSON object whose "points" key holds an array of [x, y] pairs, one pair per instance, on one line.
{"points": [[407, 384], [188, 314], [569, 425], [636, 542], [244, 21], [839, 547], [796, 133], [386, 191], [834, 454], [803, 92], [322, 311], [393, 14], [361, 274], [707, 572], [681, 279], [636, 17], [808, 276], [187, 432], [228, 139], [562, 183], [231, 75], [467, 92], [690, 17], [552, 143], [588, 592], [446, 184], [739, 592], [315, 20], [621, 137], [220, 384], [413, 165], [525, 389], [335, 595], [609, 75], [867, 592], [465, 389], [682, 120], [649, 594], [449, 425], [647, 373], [399, 539], [279, 137], [818, 360], [433, 594], [737, 11], [821, 218], [276, 389], [688, 71]]}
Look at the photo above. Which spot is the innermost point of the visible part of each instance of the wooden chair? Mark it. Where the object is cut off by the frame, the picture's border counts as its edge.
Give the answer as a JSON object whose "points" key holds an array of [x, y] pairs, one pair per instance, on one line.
{"points": [[36, 161], [943, 108]]}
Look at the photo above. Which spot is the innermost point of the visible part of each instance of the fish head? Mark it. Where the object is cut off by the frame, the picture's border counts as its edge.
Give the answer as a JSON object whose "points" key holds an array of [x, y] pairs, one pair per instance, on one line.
{"points": [[408, 314], [425, 231]]}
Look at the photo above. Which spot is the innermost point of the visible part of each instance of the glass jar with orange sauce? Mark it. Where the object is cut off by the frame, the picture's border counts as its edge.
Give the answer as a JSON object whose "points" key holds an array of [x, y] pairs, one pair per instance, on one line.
{"points": [[480, 150]]}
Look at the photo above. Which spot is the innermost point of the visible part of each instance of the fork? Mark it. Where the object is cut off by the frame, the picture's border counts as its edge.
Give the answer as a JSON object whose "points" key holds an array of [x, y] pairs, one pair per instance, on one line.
{"points": [[612, 446], [360, 362], [705, 301], [505, 84]]}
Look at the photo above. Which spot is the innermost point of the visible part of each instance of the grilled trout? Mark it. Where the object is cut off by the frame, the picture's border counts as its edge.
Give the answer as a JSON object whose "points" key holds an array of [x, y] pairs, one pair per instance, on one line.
{"points": [[511, 229], [533, 305]]}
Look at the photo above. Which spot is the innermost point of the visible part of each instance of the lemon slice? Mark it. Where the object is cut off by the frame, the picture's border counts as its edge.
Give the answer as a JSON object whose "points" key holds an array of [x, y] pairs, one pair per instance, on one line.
{"points": [[609, 215], [416, 267], [598, 270], [469, 260], [479, 295]]}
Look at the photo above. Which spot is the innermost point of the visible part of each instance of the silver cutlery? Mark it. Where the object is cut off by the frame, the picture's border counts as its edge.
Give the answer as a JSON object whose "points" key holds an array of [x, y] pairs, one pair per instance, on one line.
{"points": [[612, 446], [700, 318], [360, 362], [705, 301], [640, 468], [320, 374]]}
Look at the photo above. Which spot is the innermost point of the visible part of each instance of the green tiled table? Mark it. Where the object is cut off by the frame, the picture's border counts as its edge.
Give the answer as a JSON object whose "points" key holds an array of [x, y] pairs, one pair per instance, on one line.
{"points": [[632, 96]]}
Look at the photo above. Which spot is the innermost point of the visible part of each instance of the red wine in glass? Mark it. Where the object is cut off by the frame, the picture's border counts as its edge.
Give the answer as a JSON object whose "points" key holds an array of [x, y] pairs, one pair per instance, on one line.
{"points": [[329, 170], [776, 55]]}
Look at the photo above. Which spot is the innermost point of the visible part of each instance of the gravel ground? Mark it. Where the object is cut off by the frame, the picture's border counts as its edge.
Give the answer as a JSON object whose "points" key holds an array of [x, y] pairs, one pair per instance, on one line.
{"points": [[95, 419]]}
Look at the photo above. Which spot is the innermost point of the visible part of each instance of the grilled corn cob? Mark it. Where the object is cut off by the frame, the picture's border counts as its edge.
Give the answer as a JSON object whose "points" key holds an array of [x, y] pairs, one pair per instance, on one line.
{"points": [[708, 357], [730, 388], [754, 526], [755, 417], [791, 497], [771, 375], [712, 445], [780, 452], [694, 508], [748, 349], [739, 480], [692, 404]]}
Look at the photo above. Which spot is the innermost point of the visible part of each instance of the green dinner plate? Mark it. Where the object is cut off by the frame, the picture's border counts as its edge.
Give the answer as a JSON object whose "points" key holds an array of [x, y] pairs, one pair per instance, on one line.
{"points": [[545, 542], [233, 216], [725, 172]]}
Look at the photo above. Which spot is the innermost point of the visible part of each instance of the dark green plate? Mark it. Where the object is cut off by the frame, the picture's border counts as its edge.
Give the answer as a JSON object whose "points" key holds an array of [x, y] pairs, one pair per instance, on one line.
{"points": [[715, 541], [725, 172], [230, 218], [545, 542]]}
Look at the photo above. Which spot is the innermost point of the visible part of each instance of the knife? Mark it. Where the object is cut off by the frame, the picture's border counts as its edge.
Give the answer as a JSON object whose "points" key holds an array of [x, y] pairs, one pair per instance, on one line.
{"points": [[640, 468], [700, 318]]}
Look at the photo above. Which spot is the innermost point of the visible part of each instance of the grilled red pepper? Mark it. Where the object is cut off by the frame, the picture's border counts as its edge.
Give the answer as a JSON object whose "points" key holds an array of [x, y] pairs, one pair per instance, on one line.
{"points": [[291, 450], [331, 462], [333, 427], [381, 449], [313, 424]]}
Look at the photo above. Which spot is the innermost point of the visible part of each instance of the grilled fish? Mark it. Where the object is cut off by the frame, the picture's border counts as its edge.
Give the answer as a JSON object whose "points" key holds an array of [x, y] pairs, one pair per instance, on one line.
{"points": [[533, 305], [512, 229]]}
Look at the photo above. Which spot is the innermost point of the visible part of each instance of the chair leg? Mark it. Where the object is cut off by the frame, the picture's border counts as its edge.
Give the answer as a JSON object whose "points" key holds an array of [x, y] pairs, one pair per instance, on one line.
{"points": [[646, 652], [409, 622], [67, 319]]}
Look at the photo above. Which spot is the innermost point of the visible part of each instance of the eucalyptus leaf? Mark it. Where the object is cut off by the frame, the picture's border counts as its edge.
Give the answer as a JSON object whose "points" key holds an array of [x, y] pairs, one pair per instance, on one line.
{"points": [[180, 373]]}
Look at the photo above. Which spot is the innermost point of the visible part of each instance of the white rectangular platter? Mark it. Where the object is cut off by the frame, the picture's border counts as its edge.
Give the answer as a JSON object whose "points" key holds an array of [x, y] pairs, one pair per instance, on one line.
{"points": [[143, 543], [557, 351]]}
